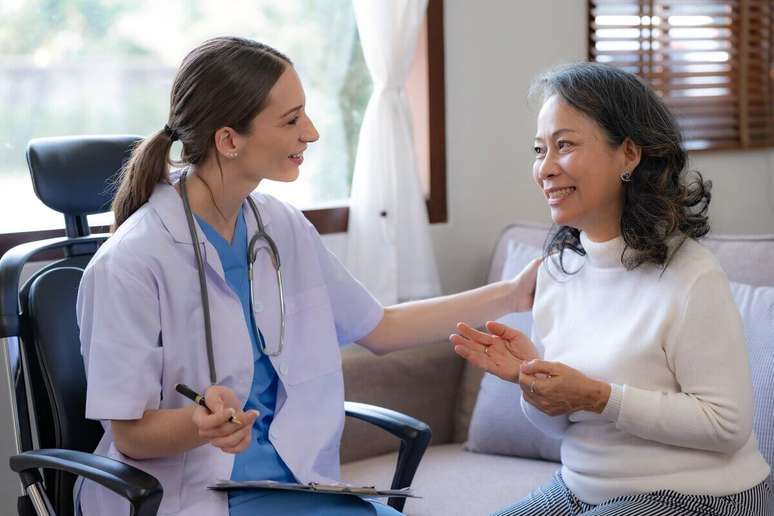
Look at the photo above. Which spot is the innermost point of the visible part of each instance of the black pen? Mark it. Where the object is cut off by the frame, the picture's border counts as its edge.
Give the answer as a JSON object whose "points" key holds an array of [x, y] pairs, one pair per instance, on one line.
{"points": [[198, 399]]}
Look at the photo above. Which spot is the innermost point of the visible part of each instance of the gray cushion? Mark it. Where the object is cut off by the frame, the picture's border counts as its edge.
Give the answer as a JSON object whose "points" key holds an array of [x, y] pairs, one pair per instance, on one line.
{"points": [[498, 424], [756, 305], [452, 482]]}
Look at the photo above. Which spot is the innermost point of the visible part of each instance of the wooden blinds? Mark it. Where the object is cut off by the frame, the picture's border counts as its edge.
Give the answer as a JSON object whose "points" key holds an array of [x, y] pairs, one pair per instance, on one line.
{"points": [[711, 61]]}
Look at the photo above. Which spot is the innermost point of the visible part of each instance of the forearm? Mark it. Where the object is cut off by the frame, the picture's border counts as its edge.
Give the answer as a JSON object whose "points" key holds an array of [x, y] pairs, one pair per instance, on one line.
{"points": [[682, 419], [411, 324], [160, 433]]}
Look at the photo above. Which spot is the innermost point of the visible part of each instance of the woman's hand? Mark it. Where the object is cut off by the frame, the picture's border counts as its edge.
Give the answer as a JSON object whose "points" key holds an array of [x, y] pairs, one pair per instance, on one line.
{"points": [[523, 287], [215, 426], [500, 352], [555, 388]]}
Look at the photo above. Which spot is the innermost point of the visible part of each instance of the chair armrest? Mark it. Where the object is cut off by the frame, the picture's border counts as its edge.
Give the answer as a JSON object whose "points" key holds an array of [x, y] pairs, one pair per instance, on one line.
{"points": [[414, 437], [143, 491]]}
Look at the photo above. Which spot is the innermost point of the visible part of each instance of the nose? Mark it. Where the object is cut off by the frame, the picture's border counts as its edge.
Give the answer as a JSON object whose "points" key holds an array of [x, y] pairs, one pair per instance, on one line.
{"points": [[310, 134], [546, 168]]}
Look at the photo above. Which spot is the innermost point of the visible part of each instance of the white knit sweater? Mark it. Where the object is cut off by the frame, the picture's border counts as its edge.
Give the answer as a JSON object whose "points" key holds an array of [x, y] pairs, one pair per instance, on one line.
{"points": [[672, 347]]}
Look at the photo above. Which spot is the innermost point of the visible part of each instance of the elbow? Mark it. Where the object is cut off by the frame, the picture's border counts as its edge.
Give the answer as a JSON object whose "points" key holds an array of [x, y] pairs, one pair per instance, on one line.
{"points": [[123, 438], [731, 442], [730, 436]]}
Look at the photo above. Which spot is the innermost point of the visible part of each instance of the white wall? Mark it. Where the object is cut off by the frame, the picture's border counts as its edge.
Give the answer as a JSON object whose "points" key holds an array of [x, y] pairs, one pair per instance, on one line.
{"points": [[493, 50]]}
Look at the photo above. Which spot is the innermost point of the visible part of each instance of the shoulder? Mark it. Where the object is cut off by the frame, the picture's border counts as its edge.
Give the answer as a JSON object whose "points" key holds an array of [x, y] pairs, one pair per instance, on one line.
{"points": [[135, 247], [690, 262]]}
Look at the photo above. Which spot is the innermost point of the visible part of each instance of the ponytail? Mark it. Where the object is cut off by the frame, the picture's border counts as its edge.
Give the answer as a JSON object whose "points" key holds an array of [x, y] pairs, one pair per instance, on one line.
{"points": [[147, 166]]}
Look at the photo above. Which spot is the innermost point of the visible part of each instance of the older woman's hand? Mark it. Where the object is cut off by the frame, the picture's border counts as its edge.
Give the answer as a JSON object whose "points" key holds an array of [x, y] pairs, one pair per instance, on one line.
{"points": [[500, 352], [555, 388]]}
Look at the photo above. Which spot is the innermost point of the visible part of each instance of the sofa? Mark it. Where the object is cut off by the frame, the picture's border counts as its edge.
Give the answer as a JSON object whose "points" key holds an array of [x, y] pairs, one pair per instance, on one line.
{"points": [[483, 454]]}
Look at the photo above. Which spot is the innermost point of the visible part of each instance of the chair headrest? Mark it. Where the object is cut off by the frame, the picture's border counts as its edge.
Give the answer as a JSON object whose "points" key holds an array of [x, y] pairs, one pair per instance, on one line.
{"points": [[74, 175]]}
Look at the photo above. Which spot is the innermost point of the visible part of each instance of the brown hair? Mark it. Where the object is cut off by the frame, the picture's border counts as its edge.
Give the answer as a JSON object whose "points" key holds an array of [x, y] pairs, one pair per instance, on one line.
{"points": [[663, 197], [223, 82]]}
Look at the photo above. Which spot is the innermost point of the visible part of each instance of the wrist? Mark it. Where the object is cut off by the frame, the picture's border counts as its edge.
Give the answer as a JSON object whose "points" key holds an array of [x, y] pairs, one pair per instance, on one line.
{"points": [[599, 394]]}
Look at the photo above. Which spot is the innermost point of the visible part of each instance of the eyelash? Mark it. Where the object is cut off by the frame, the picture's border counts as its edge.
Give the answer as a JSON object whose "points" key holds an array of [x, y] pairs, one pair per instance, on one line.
{"points": [[293, 121]]}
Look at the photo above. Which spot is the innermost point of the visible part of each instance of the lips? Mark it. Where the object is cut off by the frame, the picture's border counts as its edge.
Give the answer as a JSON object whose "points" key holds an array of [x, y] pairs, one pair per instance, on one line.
{"points": [[297, 158], [559, 193]]}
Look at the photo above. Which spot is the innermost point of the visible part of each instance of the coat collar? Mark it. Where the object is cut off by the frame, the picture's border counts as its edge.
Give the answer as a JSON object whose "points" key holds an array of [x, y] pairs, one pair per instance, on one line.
{"points": [[169, 206], [167, 203]]}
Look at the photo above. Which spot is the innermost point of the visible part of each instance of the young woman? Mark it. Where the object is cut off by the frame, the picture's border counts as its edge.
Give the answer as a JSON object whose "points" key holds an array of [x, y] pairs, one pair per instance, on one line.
{"points": [[209, 284], [645, 372]]}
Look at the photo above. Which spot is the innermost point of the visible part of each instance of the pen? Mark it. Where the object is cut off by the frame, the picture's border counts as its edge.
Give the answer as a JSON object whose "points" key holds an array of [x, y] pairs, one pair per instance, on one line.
{"points": [[198, 399]]}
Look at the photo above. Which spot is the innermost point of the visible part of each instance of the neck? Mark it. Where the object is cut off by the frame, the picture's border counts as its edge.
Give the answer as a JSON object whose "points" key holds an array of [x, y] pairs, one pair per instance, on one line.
{"points": [[217, 198]]}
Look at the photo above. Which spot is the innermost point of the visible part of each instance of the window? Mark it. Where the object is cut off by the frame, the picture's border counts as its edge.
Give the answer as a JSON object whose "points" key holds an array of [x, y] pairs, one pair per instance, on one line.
{"points": [[711, 61], [106, 66]]}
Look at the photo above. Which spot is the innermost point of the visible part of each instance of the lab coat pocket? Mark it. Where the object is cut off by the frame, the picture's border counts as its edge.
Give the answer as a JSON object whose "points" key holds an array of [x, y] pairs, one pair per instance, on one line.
{"points": [[313, 349]]}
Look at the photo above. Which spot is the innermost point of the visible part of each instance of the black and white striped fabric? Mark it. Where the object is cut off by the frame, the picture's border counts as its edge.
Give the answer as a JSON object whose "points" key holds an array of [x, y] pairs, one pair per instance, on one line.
{"points": [[555, 499]]}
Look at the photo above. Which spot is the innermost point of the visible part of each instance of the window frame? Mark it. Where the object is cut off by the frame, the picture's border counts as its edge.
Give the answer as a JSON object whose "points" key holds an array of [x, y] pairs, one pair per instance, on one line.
{"points": [[335, 219]]}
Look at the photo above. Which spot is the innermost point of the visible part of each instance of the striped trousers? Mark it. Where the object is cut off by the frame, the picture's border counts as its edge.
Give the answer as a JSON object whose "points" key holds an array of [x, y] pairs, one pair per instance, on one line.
{"points": [[555, 499]]}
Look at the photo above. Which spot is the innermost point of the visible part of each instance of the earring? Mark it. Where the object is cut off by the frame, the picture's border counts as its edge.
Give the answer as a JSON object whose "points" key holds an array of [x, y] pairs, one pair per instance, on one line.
{"points": [[231, 155], [626, 177]]}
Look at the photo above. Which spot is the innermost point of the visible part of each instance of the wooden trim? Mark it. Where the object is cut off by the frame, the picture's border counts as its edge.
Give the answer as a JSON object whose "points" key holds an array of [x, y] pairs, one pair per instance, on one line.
{"points": [[9, 240], [329, 220], [436, 204]]}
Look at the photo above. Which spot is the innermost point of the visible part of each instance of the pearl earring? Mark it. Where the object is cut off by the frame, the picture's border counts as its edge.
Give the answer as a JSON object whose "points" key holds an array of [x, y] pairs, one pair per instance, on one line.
{"points": [[232, 155]]}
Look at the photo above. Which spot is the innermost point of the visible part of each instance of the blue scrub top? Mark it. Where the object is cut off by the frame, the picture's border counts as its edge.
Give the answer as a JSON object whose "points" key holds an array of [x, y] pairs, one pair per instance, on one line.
{"points": [[261, 460]]}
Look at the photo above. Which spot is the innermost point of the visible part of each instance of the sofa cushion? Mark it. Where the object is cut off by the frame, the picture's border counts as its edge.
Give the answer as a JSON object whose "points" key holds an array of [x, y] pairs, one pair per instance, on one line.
{"points": [[453, 482], [498, 424], [756, 305], [417, 382]]}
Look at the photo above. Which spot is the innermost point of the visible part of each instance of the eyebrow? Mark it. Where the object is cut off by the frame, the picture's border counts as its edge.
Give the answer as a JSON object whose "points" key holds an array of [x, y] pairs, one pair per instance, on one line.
{"points": [[286, 113], [556, 133]]}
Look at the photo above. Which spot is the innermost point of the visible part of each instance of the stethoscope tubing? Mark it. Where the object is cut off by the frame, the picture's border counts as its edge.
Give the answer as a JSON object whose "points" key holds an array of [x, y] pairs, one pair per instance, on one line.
{"points": [[252, 254]]}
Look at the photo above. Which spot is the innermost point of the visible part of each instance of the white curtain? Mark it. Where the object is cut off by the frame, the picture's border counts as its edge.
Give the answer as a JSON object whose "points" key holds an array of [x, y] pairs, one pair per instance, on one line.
{"points": [[389, 247]]}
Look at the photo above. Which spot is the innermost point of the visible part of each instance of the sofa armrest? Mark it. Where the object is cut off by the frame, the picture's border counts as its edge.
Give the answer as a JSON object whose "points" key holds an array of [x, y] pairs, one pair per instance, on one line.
{"points": [[420, 382], [143, 491]]}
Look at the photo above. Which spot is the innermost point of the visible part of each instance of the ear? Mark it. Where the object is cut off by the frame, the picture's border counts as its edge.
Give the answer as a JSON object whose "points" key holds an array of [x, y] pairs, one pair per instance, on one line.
{"points": [[227, 142], [632, 154]]}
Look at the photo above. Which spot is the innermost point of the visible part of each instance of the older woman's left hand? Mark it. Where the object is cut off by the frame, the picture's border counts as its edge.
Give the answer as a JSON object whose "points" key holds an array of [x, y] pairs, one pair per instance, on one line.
{"points": [[555, 388]]}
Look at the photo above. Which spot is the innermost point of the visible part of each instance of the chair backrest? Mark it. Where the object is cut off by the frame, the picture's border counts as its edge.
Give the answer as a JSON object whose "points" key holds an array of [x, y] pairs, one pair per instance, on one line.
{"points": [[75, 176], [53, 346]]}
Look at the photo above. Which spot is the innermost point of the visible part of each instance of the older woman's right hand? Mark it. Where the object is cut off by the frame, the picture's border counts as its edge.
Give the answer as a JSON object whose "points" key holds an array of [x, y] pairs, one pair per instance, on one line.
{"points": [[215, 426], [500, 352]]}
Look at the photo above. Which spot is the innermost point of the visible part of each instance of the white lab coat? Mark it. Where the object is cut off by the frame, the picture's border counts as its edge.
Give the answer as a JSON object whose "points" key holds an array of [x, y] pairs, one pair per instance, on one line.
{"points": [[142, 331]]}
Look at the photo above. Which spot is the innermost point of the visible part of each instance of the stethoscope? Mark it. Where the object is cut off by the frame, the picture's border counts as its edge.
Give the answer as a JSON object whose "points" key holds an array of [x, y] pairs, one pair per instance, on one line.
{"points": [[252, 254]]}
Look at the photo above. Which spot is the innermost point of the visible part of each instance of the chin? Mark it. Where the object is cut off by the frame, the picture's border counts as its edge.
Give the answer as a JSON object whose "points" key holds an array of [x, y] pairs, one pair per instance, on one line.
{"points": [[286, 176]]}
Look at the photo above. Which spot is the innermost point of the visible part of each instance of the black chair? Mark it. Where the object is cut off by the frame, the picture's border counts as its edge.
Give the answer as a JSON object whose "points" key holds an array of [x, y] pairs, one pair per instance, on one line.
{"points": [[74, 176]]}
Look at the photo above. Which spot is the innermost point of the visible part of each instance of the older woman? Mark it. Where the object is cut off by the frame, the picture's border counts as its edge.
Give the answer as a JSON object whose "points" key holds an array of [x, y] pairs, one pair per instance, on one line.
{"points": [[645, 372]]}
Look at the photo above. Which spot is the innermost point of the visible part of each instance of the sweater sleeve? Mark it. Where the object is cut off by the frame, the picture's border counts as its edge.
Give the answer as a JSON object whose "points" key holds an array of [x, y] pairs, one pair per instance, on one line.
{"points": [[707, 353], [552, 426]]}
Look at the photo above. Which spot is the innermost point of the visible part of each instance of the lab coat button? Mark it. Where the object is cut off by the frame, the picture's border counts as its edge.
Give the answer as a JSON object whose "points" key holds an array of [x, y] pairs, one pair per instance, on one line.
{"points": [[283, 369]]}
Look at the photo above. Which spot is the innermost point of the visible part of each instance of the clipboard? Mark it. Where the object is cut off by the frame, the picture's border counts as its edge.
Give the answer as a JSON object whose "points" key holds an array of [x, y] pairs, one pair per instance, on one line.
{"points": [[313, 487]]}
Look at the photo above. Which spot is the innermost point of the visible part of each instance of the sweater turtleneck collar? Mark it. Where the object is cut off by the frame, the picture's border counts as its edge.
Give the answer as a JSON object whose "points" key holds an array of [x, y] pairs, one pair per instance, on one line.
{"points": [[604, 255]]}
